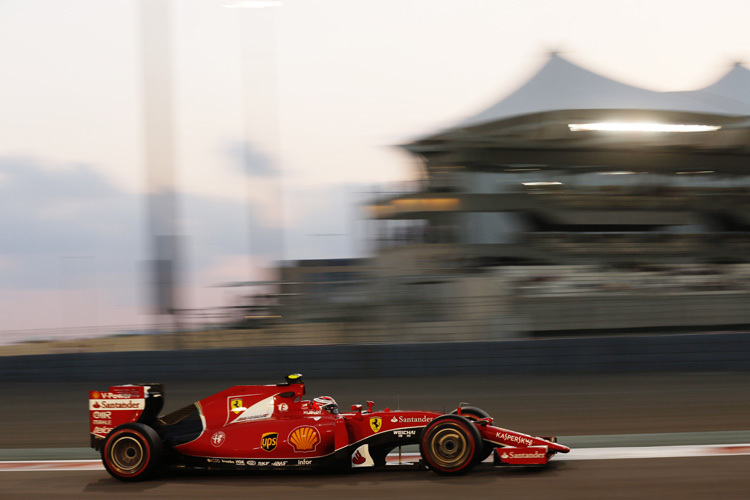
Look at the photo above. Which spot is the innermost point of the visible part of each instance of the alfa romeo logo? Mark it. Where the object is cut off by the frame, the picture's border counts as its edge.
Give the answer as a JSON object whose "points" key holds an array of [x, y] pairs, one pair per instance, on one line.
{"points": [[218, 438]]}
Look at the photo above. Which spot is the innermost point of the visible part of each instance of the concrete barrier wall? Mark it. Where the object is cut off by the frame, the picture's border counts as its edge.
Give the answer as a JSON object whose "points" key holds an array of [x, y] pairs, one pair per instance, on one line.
{"points": [[691, 352]]}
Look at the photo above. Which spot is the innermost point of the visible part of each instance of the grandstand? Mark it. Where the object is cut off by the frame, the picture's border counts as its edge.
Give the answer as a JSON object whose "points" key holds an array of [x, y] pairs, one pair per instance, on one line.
{"points": [[576, 166], [587, 178]]}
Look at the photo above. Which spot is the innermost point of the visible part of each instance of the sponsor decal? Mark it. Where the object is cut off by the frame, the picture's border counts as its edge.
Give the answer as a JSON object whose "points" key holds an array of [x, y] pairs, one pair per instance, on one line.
{"points": [[113, 395], [131, 392], [304, 461], [101, 422], [312, 412], [361, 457], [279, 463], [236, 405], [405, 433], [526, 454], [269, 440], [251, 463], [239, 462], [283, 407], [357, 458], [304, 439], [120, 404], [261, 409], [213, 460], [102, 430], [376, 423], [263, 464], [102, 414], [424, 419], [504, 436], [218, 438], [230, 462]]}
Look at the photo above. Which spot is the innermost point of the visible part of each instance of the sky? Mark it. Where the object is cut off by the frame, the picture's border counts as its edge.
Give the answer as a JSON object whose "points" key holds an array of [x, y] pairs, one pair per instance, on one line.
{"points": [[284, 119]]}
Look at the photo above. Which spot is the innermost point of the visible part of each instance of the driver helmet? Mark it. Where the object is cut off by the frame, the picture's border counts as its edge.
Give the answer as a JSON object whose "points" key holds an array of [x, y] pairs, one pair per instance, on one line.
{"points": [[327, 403]]}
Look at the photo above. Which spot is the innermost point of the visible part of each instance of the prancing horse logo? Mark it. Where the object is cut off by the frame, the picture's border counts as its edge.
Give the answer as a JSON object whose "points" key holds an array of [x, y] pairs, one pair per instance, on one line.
{"points": [[376, 423]]}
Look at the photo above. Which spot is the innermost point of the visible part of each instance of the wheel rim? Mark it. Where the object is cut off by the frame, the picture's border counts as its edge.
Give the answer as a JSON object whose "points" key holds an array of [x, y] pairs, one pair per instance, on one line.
{"points": [[127, 454], [449, 447]]}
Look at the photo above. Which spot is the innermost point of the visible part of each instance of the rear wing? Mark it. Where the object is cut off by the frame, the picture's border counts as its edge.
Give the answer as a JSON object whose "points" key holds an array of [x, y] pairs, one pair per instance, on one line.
{"points": [[122, 404]]}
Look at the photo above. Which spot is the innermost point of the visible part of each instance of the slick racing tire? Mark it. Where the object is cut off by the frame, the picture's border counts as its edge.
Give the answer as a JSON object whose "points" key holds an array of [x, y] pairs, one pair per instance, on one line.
{"points": [[450, 445], [473, 413], [132, 452]]}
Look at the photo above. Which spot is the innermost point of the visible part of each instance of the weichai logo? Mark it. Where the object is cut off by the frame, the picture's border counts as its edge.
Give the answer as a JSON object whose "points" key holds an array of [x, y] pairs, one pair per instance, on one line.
{"points": [[268, 441]]}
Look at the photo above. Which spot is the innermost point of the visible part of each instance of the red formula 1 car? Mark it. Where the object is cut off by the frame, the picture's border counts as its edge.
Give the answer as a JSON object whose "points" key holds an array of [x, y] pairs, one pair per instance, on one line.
{"points": [[257, 427]]}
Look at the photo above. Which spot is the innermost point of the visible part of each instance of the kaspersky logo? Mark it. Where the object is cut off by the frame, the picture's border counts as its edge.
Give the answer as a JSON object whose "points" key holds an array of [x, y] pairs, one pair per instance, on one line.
{"points": [[268, 441], [376, 423]]}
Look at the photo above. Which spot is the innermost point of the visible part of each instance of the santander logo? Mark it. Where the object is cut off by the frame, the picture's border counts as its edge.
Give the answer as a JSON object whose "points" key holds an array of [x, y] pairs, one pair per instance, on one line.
{"points": [[358, 459]]}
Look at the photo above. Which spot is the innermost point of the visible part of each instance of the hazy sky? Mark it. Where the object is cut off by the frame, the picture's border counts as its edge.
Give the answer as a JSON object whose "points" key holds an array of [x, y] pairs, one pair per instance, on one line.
{"points": [[319, 90]]}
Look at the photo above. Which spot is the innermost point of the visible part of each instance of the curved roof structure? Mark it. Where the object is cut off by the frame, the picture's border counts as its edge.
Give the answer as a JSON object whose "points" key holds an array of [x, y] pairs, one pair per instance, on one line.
{"points": [[732, 90], [562, 85]]}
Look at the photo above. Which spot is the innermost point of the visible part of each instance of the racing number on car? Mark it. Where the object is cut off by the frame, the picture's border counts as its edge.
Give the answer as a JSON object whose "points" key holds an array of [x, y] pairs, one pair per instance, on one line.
{"points": [[376, 423]]}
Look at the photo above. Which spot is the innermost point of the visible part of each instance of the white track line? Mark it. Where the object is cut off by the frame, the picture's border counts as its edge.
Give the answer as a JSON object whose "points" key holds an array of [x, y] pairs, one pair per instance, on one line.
{"points": [[50, 465], [713, 450]]}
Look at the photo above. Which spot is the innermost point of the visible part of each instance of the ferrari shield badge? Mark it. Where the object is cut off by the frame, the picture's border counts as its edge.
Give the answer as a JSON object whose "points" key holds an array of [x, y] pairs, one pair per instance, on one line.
{"points": [[236, 405], [376, 423]]}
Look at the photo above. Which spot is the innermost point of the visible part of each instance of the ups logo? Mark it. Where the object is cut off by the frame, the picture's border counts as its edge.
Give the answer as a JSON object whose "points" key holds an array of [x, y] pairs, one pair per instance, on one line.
{"points": [[268, 441]]}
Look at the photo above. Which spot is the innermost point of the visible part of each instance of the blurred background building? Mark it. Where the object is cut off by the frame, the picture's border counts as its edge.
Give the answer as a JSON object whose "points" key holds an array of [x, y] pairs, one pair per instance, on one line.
{"points": [[575, 204]]}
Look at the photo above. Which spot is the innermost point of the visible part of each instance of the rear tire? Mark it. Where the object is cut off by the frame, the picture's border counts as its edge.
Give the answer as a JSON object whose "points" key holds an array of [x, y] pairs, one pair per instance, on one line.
{"points": [[450, 445], [132, 452]]}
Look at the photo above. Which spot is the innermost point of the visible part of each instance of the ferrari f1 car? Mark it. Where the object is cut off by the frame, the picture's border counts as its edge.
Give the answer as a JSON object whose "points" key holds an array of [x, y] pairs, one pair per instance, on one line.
{"points": [[271, 427]]}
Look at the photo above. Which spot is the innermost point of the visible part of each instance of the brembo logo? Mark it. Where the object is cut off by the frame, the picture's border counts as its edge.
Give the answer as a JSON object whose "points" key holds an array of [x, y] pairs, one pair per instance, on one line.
{"points": [[504, 436]]}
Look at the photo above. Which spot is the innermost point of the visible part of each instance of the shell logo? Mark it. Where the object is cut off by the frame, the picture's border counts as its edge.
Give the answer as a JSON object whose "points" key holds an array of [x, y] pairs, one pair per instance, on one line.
{"points": [[304, 439]]}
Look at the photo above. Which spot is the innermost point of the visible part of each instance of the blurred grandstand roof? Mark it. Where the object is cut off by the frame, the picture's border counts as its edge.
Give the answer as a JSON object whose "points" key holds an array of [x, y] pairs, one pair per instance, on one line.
{"points": [[734, 85], [559, 119], [563, 85]]}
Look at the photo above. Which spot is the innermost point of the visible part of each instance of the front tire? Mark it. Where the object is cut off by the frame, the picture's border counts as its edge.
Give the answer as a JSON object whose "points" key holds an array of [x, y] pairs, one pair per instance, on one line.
{"points": [[450, 445], [473, 413], [132, 452]]}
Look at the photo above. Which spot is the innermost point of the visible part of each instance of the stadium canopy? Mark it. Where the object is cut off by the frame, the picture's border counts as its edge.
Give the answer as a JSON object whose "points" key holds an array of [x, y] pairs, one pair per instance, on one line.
{"points": [[563, 85], [733, 89], [568, 117]]}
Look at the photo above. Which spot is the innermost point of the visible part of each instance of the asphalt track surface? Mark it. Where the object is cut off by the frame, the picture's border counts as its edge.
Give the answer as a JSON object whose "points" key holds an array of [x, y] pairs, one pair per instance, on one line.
{"points": [[54, 415]]}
